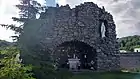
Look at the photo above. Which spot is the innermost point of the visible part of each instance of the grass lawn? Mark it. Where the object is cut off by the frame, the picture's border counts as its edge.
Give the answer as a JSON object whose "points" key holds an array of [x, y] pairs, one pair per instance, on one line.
{"points": [[98, 75]]}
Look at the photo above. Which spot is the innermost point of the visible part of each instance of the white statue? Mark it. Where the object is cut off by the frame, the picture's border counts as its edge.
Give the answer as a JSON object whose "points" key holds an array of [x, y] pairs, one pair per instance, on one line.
{"points": [[103, 30], [73, 55]]}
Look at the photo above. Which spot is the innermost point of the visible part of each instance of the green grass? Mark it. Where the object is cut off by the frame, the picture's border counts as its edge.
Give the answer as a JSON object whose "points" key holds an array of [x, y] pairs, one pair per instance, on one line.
{"points": [[104, 75], [98, 75]]}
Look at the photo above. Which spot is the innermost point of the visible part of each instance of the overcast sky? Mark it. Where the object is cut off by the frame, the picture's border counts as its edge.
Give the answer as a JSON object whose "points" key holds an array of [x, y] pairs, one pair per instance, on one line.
{"points": [[126, 14]]}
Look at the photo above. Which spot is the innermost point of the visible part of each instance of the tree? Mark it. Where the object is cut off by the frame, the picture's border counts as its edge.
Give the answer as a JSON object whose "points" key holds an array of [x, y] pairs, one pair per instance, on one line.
{"points": [[34, 52], [39, 56], [28, 10], [11, 67], [130, 42]]}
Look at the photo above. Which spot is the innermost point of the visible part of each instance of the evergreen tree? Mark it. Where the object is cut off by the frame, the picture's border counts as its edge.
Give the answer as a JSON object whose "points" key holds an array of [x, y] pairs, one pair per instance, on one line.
{"points": [[35, 54], [28, 10]]}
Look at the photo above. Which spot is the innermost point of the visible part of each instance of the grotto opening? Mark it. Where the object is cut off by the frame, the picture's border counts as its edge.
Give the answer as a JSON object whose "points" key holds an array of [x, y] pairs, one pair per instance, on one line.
{"points": [[76, 50]]}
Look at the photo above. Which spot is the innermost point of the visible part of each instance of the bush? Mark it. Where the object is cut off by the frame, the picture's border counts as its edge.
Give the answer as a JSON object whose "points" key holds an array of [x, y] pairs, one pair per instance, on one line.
{"points": [[11, 67]]}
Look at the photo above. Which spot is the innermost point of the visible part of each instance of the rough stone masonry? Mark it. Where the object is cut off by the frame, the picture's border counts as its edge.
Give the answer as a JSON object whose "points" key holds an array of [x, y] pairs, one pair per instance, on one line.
{"points": [[83, 23]]}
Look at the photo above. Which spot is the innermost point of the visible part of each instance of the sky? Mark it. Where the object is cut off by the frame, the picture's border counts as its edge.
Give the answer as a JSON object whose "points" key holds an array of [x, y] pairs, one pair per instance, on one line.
{"points": [[126, 14], [51, 3]]}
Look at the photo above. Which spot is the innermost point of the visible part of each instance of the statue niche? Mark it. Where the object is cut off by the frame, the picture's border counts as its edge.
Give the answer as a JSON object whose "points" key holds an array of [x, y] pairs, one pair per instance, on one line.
{"points": [[102, 28]]}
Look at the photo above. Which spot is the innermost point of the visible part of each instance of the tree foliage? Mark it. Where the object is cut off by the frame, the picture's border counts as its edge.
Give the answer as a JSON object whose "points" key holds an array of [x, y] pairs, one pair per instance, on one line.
{"points": [[28, 10], [129, 43], [11, 67], [33, 52], [39, 56]]}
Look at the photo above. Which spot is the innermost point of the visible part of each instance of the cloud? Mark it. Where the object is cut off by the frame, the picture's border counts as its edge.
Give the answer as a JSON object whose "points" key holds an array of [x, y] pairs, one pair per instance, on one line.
{"points": [[10, 10], [61, 2], [127, 17], [7, 11]]}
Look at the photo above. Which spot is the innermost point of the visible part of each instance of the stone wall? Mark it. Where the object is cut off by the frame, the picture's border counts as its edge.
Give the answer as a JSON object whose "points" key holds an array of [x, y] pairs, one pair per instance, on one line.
{"points": [[82, 23], [130, 60]]}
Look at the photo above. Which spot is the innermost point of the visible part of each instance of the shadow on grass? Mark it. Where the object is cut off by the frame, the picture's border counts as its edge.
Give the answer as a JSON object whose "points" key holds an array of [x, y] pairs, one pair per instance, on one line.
{"points": [[65, 74]]}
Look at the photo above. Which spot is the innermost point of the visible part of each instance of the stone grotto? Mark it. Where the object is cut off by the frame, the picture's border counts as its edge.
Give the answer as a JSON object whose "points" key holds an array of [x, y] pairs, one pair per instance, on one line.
{"points": [[86, 32]]}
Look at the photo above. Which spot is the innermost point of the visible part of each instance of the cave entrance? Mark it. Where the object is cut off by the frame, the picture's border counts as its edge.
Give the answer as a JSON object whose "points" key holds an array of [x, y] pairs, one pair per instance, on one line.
{"points": [[78, 50]]}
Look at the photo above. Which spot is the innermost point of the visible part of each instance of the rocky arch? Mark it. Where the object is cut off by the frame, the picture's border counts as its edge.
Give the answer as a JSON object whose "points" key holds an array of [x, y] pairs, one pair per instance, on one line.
{"points": [[81, 50]]}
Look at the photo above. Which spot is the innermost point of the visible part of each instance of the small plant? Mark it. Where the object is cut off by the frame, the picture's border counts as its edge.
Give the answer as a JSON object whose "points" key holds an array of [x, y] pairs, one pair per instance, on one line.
{"points": [[11, 67]]}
